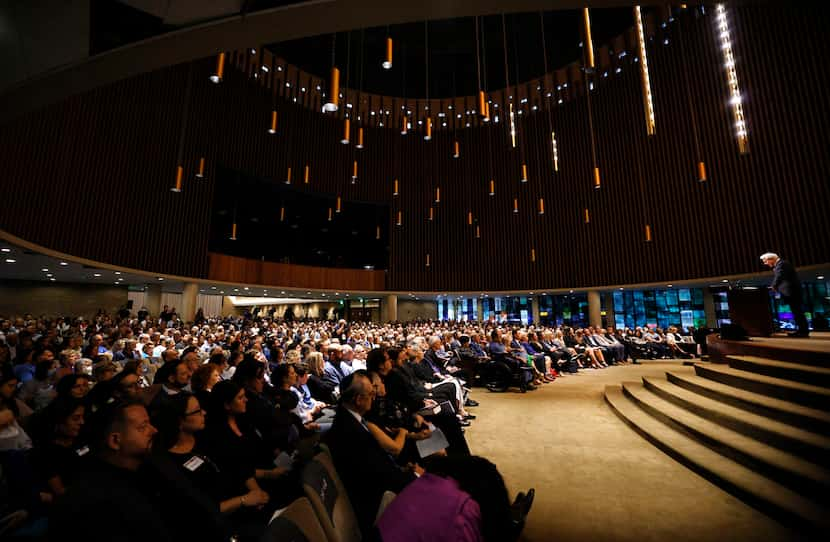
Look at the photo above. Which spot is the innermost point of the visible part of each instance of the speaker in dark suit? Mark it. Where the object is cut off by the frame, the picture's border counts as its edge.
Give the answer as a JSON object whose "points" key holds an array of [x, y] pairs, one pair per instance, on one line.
{"points": [[788, 285]]}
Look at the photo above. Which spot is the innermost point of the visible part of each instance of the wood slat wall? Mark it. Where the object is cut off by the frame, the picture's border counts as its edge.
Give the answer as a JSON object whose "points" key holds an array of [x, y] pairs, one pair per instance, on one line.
{"points": [[91, 176]]}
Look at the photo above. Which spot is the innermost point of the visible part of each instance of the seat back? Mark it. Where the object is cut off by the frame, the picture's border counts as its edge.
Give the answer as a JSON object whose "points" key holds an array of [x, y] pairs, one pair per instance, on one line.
{"points": [[296, 523], [388, 496], [328, 497]]}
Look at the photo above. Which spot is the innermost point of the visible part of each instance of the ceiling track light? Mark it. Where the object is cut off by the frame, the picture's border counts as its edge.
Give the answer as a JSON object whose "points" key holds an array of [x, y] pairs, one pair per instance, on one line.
{"points": [[179, 174], [387, 63], [200, 173], [219, 72], [272, 129]]}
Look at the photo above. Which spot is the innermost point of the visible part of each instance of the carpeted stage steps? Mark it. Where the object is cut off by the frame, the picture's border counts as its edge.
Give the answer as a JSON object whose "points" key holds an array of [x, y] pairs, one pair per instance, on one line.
{"points": [[759, 428]]}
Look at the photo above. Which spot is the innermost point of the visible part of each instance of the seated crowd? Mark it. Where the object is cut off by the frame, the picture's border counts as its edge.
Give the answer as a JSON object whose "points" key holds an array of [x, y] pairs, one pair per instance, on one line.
{"points": [[166, 430]]}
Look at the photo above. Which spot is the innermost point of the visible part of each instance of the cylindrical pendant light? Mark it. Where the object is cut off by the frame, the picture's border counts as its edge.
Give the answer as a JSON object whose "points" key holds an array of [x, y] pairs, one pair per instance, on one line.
{"points": [[395, 188], [587, 216], [524, 173], [400, 219], [233, 232], [305, 174], [333, 100], [431, 215], [456, 150], [701, 172], [644, 75], [377, 232], [492, 187], [482, 103], [427, 259], [200, 173], [648, 233], [478, 232], [354, 170], [533, 255], [437, 194], [282, 214], [272, 128], [179, 175], [597, 181], [330, 214], [541, 206], [387, 63], [347, 128], [428, 131], [589, 46], [359, 138], [219, 72], [403, 124], [288, 176], [337, 209], [486, 115], [469, 218], [515, 205]]}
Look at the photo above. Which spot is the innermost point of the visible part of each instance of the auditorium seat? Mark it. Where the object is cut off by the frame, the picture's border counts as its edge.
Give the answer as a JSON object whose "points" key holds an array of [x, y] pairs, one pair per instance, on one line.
{"points": [[328, 497], [296, 522]]}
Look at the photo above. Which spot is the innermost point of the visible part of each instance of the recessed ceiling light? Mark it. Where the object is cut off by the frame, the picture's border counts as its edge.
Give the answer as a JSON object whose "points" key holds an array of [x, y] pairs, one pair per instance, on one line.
{"points": [[236, 289], [725, 280], [10, 260], [4, 249], [160, 278], [49, 275], [820, 277], [64, 264], [96, 274], [669, 285], [118, 272], [45, 270], [221, 291], [53, 279], [213, 287], [282, 292], [246, 288]]}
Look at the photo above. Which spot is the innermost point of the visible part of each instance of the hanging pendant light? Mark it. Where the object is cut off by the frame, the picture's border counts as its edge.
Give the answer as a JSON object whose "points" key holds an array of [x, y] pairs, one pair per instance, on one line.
{"points": [[333, 100], [272, 128], [233, 232], [469, 218], [400, 219], [427, 259], [478, 232], [587, 216], [456, 150], [482, 103], [701, 172], [337, 209], [354, 170], [346, 131], [359, 138], [438, 194], [515, 205], [555, 148], [200, 173], [403, 124], [219, 72], [492, 187], [533, 255], [431, 215], [330, 214], [377, 233], [387, 63], [288, 176], [541, 206], [644, 76], [282, 214], [589, 46], [524, 173], [648, 233], [395, 188], [597, 181], [428, 131], [179, 174], [305, 175]]}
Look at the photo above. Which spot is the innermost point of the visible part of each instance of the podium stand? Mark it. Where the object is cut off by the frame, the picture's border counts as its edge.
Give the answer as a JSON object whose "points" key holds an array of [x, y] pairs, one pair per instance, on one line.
{"points": [[750, 309]]}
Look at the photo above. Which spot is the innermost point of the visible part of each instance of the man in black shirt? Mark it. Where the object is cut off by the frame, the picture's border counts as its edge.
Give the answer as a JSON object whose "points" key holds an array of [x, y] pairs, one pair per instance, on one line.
{"points": [[786, 283]]}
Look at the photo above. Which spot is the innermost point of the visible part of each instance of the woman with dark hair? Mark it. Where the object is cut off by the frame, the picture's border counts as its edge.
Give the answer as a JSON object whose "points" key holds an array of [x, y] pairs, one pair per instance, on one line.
{"points": [[235, 494], [8, 397], [59, 447], [463, 499], [204, 378], [74, 385]]}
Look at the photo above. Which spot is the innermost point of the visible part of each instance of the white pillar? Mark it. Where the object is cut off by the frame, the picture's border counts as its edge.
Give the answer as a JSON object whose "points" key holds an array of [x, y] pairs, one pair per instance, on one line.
{"points": [[594, 309], [189, 295]]}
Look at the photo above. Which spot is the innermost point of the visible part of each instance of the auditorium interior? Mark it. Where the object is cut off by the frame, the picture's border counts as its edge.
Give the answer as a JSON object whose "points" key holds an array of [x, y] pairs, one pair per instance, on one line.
{"points": [[622, 206]]}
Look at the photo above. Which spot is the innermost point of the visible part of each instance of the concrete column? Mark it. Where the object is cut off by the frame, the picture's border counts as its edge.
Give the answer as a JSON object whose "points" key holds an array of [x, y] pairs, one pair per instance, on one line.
{"points": [[534, 311], [594, 308], [389, 308], [480, 309], [609, 309], [709, 308], [153, 299], [189, 295]]}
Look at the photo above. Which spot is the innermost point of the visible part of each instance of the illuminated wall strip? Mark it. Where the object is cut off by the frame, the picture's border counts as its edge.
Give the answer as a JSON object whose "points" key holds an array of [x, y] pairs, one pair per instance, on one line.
{"points": [[589, 46], [179, 175], [200, 173], [272, 128], [646, 82], [735, 99], [555, 146]]}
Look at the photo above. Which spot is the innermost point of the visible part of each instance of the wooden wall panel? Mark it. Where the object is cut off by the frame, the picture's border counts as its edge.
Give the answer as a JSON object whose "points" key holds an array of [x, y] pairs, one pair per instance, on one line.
{"points": [[91, 176]]}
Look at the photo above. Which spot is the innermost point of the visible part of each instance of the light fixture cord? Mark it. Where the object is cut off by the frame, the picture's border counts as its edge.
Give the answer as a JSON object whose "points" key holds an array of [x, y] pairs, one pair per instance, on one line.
{"points": [[185, 115], [478, 58], [689, 98]]}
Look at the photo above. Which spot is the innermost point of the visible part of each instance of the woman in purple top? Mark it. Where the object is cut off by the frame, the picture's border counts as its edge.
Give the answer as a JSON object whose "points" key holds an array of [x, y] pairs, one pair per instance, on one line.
{"points": [[459, 499]]}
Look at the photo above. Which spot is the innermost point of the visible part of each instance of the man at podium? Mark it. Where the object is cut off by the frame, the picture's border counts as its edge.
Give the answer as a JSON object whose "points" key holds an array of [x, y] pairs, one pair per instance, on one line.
{"points": [[787, 284]]}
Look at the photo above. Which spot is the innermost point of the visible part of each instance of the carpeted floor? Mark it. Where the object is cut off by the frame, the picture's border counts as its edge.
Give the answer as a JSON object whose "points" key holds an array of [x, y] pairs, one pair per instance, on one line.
{"points": [[595, 478]]}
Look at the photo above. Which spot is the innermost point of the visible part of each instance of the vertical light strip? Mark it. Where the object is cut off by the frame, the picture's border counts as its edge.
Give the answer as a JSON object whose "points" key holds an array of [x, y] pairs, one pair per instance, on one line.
{"points": [[587, 216], [732, 78], [555, 151], [219, 72], [647, 101], [586, 19], [354, 171], [469, 218], [337, 209]]}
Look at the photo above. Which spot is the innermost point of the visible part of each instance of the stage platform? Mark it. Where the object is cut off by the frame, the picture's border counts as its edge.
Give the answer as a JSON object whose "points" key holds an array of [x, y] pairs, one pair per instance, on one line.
{"points": [[814, 350]]}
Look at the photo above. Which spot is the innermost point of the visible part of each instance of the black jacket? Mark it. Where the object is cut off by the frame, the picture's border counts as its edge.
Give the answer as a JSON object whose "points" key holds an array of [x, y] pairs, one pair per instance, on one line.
{"points": [[786, 280]]}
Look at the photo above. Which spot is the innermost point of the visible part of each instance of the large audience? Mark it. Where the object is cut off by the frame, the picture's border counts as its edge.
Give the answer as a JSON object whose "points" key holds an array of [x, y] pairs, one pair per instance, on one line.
{"points": [[133, 426]]}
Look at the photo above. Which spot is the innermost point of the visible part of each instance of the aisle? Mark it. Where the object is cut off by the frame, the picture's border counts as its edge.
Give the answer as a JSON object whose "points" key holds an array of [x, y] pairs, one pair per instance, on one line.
{"points": [[595, 478]]}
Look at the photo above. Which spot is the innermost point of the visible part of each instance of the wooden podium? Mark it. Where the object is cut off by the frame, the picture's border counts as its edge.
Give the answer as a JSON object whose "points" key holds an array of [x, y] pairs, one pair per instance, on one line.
{"points": [[751, 310]]}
